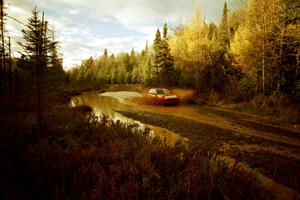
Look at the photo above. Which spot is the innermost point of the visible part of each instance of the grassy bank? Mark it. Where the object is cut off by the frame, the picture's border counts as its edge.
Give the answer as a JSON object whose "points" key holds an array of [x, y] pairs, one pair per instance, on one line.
{"points": [[278, 108]]}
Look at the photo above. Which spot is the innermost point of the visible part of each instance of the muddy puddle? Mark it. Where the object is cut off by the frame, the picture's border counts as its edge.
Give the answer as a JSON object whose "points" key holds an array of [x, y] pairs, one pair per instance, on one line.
{"points": [[109, 103]]}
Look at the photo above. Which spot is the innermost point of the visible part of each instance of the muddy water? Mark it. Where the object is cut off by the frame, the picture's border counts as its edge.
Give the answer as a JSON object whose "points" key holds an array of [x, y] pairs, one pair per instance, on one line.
{"points": [[108, 103]]}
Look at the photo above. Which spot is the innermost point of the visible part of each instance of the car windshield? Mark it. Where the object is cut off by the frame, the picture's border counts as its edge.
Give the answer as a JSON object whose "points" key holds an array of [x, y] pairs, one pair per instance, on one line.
{"points": [[162, 91]]}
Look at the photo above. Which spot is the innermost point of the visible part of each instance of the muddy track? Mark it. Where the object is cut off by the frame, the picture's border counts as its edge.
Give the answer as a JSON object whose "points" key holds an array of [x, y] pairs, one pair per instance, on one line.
{"points": [[266, 146], [277, 159], [252, 122]]}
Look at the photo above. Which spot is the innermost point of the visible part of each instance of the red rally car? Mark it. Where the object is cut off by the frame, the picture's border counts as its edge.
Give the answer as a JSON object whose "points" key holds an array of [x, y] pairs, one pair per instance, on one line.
{"points": [[164, 96]]}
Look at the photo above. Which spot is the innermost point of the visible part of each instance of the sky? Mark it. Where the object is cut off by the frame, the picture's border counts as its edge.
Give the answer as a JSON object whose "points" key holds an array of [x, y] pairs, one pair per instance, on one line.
{"points": [[85, 28]]}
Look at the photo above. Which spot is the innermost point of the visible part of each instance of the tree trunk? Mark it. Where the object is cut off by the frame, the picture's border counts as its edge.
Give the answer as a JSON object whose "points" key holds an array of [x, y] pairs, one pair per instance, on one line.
{"points": [[3, 44], [263, 55], [39, 62]]}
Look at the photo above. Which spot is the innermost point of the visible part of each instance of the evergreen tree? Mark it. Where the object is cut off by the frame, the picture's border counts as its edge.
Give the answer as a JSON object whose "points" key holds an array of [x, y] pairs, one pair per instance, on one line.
{"points": [[157, 41], [224, 36], [105, 60], [37, 45], [125, 62], [165, 60], [157, 56], [114, 76], [121, 77], [105, 54], [144, 64], [55, 58], [128, 77], [133, 60]]}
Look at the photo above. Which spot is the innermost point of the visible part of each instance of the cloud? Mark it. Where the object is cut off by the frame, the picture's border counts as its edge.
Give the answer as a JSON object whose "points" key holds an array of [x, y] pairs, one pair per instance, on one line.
{"points": [[84, 28], [94, 47]]}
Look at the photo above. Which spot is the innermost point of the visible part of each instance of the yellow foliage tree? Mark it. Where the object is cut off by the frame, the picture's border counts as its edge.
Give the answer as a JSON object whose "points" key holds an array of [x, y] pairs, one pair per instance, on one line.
{"points": [[192, 48], [253, 42]]}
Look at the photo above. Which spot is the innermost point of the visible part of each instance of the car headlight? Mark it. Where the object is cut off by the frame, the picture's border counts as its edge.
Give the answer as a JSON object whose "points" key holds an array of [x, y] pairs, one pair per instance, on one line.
{"points": [[170, 97]]}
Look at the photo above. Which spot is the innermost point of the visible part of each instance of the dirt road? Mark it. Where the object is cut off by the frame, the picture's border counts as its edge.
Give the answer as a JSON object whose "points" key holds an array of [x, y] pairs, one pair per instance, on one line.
{"points": [[269, 148]]}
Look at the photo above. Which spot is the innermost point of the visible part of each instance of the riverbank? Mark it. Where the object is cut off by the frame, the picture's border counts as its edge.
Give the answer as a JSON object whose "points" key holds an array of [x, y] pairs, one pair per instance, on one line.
{"points": [[77, 157]]}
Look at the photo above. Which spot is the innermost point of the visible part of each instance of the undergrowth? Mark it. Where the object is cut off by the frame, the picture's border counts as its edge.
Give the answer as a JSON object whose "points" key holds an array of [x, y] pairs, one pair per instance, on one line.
{"points": [[78, 156], [278, 107]]}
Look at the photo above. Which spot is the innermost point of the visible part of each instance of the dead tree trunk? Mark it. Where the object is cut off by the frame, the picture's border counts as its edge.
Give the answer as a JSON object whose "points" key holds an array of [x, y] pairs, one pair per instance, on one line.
{"points": [[3, 63], [10, 82]]}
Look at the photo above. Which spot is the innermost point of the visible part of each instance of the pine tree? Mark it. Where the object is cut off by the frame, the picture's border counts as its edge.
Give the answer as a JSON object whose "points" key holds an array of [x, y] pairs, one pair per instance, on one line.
{"points": [[32, 37], [125, 60], [105, 54], [157, 49], [37, 45], [224, 36], [55, 58], [128, 77], [114, 76], [165, 60], [142, 71], [133, 60], [157, 41]]}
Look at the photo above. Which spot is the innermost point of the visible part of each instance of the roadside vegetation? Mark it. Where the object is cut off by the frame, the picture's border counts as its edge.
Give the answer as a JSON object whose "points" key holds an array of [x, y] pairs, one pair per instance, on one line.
{"points": [[278, 108]]}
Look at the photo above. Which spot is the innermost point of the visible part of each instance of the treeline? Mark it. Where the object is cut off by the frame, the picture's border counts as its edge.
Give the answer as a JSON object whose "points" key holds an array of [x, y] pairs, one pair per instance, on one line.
{"points": [[40, 63], [254, 50], [153, 66]]}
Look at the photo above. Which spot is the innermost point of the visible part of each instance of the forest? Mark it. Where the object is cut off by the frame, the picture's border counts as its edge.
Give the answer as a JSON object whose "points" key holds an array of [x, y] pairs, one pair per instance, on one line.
{"points": [[236, 135], [249, 52]]}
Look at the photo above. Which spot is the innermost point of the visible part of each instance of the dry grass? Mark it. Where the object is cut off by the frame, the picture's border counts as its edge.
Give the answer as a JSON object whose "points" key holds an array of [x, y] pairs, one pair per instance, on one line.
{"points": [[78, 157], [278, 108]]}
